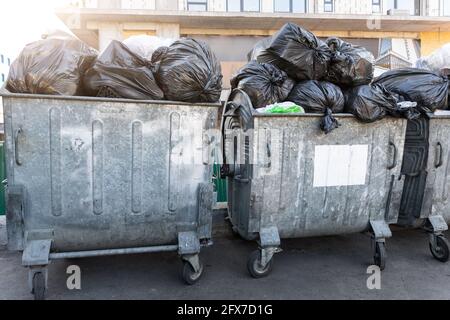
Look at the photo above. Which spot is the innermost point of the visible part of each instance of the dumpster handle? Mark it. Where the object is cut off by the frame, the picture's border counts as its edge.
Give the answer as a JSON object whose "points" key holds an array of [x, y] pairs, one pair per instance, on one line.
{"points": [[16, 146], [394, 162], [441, 152]]}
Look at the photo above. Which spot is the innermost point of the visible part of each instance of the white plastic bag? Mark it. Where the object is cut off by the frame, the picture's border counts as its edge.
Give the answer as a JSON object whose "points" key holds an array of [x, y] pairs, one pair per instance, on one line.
{"points": [[144, 45], [438, 60]]}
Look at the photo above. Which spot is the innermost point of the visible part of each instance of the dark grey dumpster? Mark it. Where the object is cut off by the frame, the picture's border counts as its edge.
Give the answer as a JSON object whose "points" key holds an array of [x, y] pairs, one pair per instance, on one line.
{"points": [[93, 177], [287, 179], [426, 167]]}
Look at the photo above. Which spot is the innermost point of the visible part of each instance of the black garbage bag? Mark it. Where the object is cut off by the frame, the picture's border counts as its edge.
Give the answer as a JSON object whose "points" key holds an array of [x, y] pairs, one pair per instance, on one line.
{"points": [[319, 97], [54, 65], [428, 89], [370, 103], [316, 96], [189, 71], [258, 48], [264, 83], [158, 54], [350, 65], [121, 73], [298, 52]]}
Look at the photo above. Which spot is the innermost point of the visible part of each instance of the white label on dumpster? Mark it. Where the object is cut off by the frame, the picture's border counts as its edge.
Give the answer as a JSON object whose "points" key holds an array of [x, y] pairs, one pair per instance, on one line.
{"points": [[336, 166]]}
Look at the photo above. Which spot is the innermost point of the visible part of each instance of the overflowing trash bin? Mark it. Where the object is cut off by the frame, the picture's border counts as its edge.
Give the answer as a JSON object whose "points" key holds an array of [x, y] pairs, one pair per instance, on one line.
{"points": [[425, 201], [97, 176], [287, 179]]}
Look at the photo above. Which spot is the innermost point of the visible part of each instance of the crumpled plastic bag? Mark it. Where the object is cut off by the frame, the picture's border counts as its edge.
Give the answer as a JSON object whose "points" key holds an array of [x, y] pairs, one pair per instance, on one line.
{"points": [[350, 65], [428, 89], [370, 103], [259, 47], [435, 62], [316, 96], [298, 52], [123, 73], [145, 45], [265, 84], [319, 97], [54, 65], [189, 71], [282, 108]]}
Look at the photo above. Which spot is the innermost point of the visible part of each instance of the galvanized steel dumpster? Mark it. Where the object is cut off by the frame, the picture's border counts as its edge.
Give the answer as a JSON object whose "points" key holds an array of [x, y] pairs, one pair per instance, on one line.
{"points": [[2, 180], [287, 179], [92, 177], [426, 166]]}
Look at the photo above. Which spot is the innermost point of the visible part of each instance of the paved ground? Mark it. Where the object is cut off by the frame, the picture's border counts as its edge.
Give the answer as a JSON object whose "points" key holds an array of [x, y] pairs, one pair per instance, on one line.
{"points": [[319, 268]]}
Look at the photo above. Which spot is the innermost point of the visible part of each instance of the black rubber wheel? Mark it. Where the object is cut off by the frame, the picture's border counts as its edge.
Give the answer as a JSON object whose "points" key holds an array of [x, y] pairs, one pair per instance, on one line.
{"points": [[39, 286], [380, 255], [189, 275], [254, 265], [441, 251]]}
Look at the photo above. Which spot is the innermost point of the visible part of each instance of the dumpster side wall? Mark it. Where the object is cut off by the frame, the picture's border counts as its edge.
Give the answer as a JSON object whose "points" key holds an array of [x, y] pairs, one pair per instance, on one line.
{"points": [[103, 174], [319, 184], [437, 194]]}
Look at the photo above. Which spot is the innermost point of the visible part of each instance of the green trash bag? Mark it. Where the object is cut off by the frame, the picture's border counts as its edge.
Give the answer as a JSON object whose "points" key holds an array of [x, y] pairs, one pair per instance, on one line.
{"points": [[282, 108]]}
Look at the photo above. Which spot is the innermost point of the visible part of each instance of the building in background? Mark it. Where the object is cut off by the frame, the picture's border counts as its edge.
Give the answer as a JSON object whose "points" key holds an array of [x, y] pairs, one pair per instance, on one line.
{"points": [[396, 31], [5, 63]]}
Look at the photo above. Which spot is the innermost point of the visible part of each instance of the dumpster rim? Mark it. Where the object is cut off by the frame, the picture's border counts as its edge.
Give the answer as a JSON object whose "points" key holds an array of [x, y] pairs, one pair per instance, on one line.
{"points": [[6, 94]]}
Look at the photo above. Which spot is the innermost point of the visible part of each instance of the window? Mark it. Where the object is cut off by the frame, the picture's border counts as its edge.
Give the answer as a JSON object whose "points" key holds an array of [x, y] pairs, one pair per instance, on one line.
{"points": [[197, 5], [295, 6], [446, 8], [2, 58], [376, 6], [243, 5], [3, 77], [328, 6], [413, 6], [9, 62]]}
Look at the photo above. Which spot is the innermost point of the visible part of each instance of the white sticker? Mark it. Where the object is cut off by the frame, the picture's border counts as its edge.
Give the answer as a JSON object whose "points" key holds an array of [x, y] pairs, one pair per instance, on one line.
{"points": [[336, 166]]}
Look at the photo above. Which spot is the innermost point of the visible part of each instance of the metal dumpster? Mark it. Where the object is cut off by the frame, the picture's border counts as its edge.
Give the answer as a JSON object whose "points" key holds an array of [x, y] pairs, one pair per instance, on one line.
{"points": [[425, 202], [287, 179], [93, 177], [2, 179]]}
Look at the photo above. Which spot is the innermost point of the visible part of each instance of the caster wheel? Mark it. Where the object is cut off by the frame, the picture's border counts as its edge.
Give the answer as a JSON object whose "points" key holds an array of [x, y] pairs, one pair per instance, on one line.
{"points": [[254, 265], [380, 255], [189, 275], [441, 250], [39, 286]]}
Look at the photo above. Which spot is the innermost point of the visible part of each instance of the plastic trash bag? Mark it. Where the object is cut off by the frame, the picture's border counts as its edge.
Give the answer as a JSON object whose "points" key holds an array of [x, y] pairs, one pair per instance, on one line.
{"points": [[316, 96], [328, 123], [319, 97], [189, 71], [264, 83], [298, 52], [370, 103], [145, 46], [282, 108], [350, 65], [428, 89], [438, 60], [54, 66], [124, 73], [258, 48]]}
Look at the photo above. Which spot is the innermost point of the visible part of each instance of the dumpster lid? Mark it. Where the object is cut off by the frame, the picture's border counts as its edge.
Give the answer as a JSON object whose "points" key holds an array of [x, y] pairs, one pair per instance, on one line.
{"points": [[6, 94]]}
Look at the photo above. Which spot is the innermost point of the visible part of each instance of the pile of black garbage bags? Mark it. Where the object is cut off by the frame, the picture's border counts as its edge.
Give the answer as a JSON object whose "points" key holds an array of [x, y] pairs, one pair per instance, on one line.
{"points": [[334, 76], [61, 64]]}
